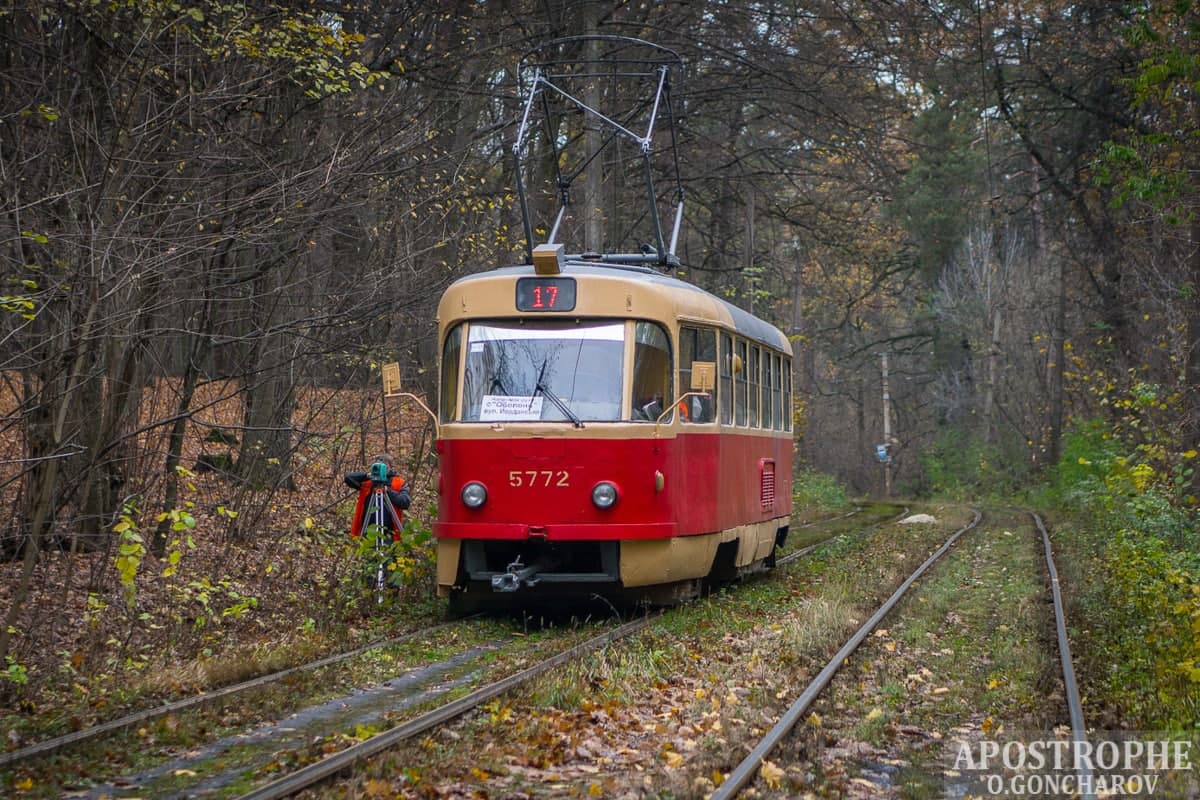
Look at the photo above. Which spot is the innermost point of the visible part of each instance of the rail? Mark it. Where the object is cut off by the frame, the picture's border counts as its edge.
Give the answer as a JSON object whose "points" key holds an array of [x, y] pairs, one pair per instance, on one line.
{"points": [[49, 746], [330, 766], [1070, 685], [748, 768]]}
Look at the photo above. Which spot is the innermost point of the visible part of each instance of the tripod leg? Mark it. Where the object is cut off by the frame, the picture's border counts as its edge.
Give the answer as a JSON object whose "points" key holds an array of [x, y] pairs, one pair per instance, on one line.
{"points": [[381, 525]]}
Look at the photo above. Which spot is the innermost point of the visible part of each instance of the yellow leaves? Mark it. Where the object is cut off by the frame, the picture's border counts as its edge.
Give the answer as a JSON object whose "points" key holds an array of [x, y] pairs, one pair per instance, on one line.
{"points": [[498, 713], [24, 785], [772, 775], [814, 719], [873, 714], [674, 760], [987, 725], [376, 789]]}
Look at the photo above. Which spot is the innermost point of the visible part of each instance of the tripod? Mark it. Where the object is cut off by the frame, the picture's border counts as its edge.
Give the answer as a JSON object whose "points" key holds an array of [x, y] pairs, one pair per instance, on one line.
{"points": [[380, 515]]}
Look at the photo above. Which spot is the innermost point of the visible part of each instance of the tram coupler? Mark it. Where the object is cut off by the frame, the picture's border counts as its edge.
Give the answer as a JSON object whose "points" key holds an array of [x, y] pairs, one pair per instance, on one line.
{"points": [[517, 575]]}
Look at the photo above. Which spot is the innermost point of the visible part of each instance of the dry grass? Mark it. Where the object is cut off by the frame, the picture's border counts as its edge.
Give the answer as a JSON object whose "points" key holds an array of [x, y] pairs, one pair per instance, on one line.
{"points": [[269, 585]]}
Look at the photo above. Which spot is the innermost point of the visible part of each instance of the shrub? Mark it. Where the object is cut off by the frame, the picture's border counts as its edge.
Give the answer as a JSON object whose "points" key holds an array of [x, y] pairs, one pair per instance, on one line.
{"points": [[812, 489], [957, 465], [1141, 588]]}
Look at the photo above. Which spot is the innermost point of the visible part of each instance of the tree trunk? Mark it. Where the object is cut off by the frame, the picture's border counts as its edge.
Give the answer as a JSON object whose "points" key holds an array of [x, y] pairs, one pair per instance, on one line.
{"points": [[594, 177], [1191, 433], [993, 370], [264, 460], [798, 348]]}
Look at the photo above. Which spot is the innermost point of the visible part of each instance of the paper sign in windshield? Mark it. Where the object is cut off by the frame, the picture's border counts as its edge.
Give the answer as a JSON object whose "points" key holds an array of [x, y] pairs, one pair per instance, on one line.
{"points": [[500, 408]]}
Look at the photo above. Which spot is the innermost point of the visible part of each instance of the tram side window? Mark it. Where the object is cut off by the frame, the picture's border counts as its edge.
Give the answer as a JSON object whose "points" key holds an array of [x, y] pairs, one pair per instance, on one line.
{"points": [[449, 390], [726, 391], [787, 394], [651, 371], [695, 344], [740, 378], [777, 392], [768, 379], [752, 370]]}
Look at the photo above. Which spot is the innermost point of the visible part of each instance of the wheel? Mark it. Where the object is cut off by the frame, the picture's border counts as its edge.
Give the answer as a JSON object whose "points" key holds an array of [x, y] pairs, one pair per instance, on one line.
{"points": [[465, 603]]}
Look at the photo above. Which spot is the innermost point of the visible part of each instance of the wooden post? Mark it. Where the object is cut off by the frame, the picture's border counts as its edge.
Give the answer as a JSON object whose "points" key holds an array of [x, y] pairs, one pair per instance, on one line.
{"points": [[887, 430]]}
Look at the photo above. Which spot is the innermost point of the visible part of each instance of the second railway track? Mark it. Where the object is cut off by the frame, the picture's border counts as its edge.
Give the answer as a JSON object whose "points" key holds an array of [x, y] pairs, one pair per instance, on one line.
{"points": [[1070, 713]]}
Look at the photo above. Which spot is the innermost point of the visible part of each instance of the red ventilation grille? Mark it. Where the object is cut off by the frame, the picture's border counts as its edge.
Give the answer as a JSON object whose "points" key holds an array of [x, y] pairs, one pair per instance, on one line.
{"points": [[767, 493]]}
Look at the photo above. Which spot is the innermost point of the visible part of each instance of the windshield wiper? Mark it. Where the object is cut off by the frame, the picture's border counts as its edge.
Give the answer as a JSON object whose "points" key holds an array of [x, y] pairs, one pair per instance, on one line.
{"points": [[544, 389]]}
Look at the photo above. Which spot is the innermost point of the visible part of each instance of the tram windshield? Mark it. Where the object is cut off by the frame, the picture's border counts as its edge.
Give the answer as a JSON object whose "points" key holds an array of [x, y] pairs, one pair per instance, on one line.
{"points": [[543, 371]]}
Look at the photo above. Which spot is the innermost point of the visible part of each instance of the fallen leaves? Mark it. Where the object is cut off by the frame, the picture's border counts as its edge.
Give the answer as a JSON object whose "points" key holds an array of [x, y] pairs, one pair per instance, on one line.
{"points": [[771, 774]]}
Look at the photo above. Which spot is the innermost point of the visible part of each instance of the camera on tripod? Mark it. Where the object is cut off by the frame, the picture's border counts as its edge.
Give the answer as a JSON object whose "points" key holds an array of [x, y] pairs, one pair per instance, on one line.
{"points": [[379, 472]]}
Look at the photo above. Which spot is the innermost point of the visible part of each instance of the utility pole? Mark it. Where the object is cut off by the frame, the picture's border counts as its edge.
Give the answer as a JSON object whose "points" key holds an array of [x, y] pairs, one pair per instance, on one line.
{"points": [[593, 201], [884, 450]]}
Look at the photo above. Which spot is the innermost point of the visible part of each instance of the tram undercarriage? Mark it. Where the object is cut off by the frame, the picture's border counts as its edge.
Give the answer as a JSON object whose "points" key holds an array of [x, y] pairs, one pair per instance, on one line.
{"points": [[505, 573]]}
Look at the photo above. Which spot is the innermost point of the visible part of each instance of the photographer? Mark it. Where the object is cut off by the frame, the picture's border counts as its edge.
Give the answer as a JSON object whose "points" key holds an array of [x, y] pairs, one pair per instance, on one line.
{"points": [[380, 475]]}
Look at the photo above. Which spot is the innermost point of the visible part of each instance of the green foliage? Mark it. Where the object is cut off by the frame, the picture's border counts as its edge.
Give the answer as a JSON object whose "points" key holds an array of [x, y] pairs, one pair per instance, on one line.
{"points": [[1151, 164], [812, 489], [23, 301], [408, 561], [941, 184], [130, 551], [207, 602], [1088, 451], [181, 521], [15, 673], [958, 465], [312, 47], [1141, 593], [1153, 590]]}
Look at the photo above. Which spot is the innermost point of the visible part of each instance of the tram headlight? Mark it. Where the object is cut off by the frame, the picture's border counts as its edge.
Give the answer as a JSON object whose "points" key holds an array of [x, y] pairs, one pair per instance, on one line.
{"points": [[474, 494], [604, 494]]}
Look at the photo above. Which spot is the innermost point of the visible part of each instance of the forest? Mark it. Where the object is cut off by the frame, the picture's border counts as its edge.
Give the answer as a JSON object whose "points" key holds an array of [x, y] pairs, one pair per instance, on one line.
{"points": [[219, 219]]}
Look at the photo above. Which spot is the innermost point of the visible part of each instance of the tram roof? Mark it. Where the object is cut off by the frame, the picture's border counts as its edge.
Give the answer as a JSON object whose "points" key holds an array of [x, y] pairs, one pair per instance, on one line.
{"points": [[743, 321]]}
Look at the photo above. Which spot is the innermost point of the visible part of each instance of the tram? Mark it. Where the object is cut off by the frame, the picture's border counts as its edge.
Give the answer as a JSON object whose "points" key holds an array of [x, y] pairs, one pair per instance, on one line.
{"points": [[605, 429]]}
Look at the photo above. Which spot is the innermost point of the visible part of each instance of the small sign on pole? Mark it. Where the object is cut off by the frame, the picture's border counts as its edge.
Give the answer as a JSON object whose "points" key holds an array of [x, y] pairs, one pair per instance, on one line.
{"points": [[704, 375], [391, 379], [881, 452]]}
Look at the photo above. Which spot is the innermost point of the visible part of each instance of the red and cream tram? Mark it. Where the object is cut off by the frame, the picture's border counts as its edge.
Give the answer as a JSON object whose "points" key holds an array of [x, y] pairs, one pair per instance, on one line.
{"points": [[605, 429]]}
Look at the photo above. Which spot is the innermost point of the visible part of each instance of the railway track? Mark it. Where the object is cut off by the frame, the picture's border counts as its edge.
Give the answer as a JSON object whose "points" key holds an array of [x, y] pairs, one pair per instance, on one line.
{"points": [[315, 773], [395, 705], [345, 759], [89, 734], [795, 555], [746, 771], [276, 735]]}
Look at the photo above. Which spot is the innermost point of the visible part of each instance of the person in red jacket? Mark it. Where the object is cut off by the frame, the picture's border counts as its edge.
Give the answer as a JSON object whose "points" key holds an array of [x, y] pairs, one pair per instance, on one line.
{"points": [[380, 476]]}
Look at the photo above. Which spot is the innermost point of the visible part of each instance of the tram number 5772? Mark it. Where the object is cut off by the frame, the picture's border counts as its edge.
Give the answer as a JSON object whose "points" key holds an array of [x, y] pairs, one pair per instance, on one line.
{"points": [[538, 477]]}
